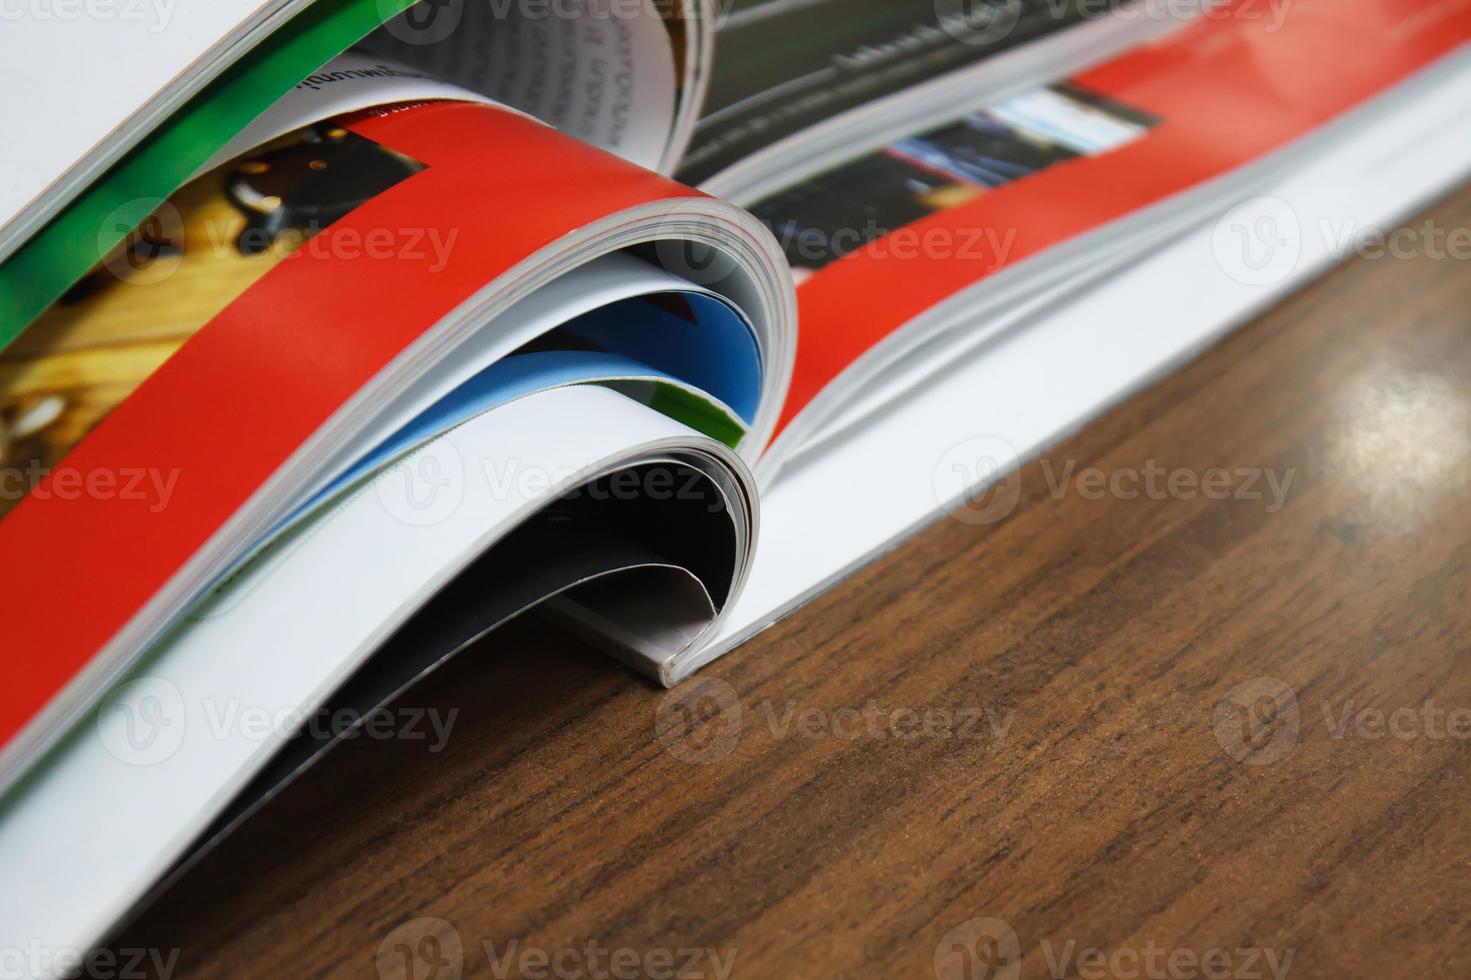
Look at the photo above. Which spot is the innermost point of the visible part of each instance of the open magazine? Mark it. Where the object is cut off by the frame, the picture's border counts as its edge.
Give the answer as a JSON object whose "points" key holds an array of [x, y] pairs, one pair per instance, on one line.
{"points": [[341, 378]]}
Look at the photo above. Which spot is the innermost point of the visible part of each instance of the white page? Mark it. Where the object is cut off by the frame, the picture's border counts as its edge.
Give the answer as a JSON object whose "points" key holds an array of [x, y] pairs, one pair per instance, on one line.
{"points": [[110, 70], [604, 75], [345, 84], [282, 638], [602, 282], [829, 514]]}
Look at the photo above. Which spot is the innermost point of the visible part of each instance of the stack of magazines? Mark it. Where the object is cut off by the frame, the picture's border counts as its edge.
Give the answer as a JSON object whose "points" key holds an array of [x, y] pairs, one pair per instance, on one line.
{"points": [[338, 333]]}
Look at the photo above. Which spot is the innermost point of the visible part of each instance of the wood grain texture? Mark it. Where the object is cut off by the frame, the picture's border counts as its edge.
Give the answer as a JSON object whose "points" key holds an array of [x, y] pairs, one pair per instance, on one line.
{"points": [[1088, 776]]}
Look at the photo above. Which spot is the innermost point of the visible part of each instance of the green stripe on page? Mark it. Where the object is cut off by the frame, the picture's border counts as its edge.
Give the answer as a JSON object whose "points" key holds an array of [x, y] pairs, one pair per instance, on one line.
{"points": [[698, 413], [74, 241]]}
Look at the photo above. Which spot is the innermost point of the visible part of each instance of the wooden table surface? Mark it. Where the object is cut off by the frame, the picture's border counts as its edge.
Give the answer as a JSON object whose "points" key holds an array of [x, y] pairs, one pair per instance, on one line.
{"points": [[1159, 734]]}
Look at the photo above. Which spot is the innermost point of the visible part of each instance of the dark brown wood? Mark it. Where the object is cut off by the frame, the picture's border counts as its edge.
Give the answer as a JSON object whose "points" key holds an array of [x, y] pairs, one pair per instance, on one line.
{"points": [[1129, 807]]}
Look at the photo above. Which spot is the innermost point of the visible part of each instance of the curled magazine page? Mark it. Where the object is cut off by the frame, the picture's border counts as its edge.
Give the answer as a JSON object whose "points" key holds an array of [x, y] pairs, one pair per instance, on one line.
{"points": [[247, 298], [930, 270], [192, 256], [602, 71], [55, 61], [95, 203], [775, 75], [882, 240], [649, 550], [344, 341], [668, 501], [609, 78], [346, 84]]}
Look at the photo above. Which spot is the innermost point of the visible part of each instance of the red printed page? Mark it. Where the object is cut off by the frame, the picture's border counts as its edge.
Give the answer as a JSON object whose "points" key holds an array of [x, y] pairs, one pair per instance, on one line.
{"points": [[236, 399], [932, 216]]}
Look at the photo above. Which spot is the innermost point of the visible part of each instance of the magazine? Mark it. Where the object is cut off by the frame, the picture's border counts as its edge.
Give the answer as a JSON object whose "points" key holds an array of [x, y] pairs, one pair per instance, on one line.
{"points": [[432, 340]]}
